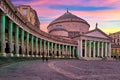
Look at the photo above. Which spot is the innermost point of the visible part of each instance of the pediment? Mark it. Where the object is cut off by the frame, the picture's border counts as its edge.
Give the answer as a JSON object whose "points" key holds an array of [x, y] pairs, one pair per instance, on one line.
{"points": [[97, 33]]}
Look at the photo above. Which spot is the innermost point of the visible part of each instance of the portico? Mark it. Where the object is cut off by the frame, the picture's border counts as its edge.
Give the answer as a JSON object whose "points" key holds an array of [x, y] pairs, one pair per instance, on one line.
{"points": [[92, 46]]}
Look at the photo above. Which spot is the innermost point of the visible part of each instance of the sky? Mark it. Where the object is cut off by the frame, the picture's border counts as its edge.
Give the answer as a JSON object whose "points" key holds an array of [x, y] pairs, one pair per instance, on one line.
{"points": [[104, 12]]}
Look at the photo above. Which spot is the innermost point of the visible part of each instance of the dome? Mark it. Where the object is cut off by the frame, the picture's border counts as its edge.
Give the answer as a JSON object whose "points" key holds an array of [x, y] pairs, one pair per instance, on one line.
{"points": [[68, 17], [68, 25]]}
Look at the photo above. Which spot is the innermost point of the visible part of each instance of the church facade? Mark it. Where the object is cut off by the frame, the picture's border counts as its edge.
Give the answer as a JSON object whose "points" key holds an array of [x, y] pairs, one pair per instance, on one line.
{"points": [[93, 43], [68, 36]]}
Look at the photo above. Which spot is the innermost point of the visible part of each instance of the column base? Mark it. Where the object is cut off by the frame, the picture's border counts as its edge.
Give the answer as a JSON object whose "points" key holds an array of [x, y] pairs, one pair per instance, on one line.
{"points": [[56, 56], [33, 55], [23, 55], [4, 54], [28, 55], [37, 56], [59, 57], [11, 54], [18, 55]]}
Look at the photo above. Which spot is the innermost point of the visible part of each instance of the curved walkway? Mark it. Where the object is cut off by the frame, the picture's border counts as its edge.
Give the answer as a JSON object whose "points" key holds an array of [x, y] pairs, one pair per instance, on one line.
{"points": [[61, 70]]}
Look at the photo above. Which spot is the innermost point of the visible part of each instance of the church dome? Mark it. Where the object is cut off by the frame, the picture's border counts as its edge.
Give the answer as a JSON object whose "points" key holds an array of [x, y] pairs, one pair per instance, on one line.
{"points": [[67, 17], [68, 25]]}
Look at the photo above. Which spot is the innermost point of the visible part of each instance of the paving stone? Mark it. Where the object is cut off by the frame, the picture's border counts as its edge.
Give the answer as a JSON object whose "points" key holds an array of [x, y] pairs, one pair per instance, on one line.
{"points": [[62, 70]]}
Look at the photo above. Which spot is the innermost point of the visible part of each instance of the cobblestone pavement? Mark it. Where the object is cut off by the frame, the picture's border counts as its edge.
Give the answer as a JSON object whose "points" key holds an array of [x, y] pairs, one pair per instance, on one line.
{"points": [[62, 70]]}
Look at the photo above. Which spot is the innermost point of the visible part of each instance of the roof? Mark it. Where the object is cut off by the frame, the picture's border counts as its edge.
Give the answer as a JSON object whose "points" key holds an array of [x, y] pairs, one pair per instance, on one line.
{"points": [[66, 17], [93, 33]]}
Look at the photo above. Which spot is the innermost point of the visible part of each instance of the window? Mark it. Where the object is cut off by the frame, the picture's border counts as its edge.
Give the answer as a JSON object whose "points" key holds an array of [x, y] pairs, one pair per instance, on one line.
{"points": [[24, 11], [58, 27]]}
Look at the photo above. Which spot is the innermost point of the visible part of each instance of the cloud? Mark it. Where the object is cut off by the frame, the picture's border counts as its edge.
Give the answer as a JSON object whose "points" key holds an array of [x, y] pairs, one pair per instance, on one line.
{"points": [[105, 12], [79, 8]]}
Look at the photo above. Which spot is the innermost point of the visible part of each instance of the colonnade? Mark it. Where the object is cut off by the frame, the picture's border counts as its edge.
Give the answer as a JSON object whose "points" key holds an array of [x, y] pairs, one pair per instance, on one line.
{"points": [[15, 41], [91, 48], [115, 52]]}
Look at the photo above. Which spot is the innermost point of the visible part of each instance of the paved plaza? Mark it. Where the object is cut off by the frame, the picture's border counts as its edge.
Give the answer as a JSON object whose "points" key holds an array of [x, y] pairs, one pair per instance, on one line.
{"points": [[62, 70]]}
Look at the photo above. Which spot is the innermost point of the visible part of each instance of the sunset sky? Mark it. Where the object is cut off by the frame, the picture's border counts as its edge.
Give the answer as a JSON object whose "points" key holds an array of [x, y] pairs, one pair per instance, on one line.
{"points": [[105, 12]]}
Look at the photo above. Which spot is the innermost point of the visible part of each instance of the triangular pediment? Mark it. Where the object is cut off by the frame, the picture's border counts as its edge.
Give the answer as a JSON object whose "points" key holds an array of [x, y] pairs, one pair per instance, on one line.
{"points": [[97, 33]]}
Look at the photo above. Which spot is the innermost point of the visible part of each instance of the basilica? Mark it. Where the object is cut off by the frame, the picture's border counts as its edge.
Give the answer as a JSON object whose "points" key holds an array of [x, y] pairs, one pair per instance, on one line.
{"points": [[68, 35], [91, 43]]}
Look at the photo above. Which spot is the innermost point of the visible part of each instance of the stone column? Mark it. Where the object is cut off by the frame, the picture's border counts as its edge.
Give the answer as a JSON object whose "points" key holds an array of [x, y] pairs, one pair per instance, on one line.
{"points": [[55, 50], [85, 48], [62, 50], [48, 48], [22, 42], [89, 48], [102, 49], [78, 49], [36, 47], [44, 47], [109, 49], [41, 49], [66, 51], [3, 25], [94, 47], [59, 51], [106, 49], [70, 51], [81, 48], [32, 46], [98, 49], [73, 51], [10, 37], [28, 41], [52, 48], [17, 41]]}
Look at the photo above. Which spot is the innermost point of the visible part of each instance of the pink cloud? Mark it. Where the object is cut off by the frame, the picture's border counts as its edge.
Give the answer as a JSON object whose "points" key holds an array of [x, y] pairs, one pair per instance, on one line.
{"points": [[68, 2], [92, 17]]}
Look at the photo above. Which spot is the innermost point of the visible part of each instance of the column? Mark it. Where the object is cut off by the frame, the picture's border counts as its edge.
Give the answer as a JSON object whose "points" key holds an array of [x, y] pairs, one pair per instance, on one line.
{"points": [[98, 49], [59, 51], [44, 47], [78, 49], [85, 48], [3, 24], [73, 51], [17, 41], [36, 47], [109, 50], [89, 48], [52, 48], [10, 37], [62, 50], [94, 47], [55, 51], [41, 49], [81, 48], [22, 42], [106, 49], [28, 41], [102, 49], [66, 51], [32, 46], [117, 52], [48, 48], [70, 51]]}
